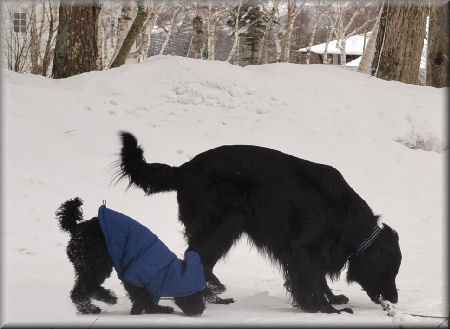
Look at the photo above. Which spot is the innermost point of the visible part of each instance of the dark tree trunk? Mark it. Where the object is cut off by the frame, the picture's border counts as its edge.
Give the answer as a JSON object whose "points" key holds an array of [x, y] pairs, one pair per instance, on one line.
{"points": [[197, 39], [76, 40], [437, 51], [400, 41], [133, 33]]}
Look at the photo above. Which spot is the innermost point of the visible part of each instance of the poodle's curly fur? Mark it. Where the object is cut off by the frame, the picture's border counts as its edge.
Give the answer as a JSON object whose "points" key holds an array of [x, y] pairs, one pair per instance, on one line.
{"points": [[89, 255], [302, 214]]}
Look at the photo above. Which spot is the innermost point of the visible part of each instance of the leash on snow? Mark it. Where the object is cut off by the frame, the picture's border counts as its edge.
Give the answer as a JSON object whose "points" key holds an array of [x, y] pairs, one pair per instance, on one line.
{"points": [[393, 312]]}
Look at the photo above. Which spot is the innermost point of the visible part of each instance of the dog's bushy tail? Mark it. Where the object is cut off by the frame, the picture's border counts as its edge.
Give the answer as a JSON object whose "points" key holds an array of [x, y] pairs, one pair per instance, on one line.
{"points": [[69, 213], [150, 177]]}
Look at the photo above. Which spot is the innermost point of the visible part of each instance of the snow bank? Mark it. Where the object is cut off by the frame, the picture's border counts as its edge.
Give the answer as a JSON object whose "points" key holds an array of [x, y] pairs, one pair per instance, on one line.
{"points": [[60, 141]]}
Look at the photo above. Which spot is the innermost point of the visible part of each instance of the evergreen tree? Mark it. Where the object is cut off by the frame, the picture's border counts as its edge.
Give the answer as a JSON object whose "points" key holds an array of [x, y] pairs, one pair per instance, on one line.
{"points": [[252, 18]]}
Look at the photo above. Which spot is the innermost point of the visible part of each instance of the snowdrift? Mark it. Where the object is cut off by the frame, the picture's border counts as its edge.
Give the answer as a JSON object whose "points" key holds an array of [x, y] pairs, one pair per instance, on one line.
{"points": [[60, 141]]}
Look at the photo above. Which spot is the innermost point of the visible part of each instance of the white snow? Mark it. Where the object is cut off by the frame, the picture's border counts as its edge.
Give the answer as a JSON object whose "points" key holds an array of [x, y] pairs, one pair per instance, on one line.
{"points": [[353, 46], [60, 140]]}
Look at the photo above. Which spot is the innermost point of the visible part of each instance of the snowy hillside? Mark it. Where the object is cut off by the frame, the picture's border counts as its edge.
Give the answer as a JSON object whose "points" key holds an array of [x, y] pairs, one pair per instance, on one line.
{"points": [[60, 140]]}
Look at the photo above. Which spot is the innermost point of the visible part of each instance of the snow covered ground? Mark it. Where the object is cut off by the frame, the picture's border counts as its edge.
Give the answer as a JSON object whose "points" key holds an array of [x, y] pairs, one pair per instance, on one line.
{"points": [[60, 140]]}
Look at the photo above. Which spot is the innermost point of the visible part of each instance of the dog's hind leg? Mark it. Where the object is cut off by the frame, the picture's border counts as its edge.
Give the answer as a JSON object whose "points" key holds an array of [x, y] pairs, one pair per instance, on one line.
{"points": [[81, 296], [193, 304], [212, 243], [141, 301], [105, 295]]}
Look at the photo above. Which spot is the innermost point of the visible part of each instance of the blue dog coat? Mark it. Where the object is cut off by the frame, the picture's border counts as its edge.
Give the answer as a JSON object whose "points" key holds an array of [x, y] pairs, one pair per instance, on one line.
{"points": [[140, 258]]}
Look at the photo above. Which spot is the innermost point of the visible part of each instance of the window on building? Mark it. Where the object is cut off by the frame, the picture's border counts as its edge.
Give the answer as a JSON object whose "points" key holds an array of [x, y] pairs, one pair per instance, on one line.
{"points": [[20, 22]]}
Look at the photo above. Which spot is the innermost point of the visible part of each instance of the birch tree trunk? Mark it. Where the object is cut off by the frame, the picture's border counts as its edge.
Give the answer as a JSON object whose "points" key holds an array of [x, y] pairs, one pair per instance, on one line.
{"points": [[379, 42], [125, 21], [212, 16], [437, 50], [76, 40], [366, 59], [287, 32], [317, 15], [341, 46], [35, 41], [147, 37], [262, 59], [293, 12], [236, 34], [132, 34], [276, 39], [325, 52], [171, 27], [142, 52], [197, 38], [52, 17], [100, 37], [403, 41]]}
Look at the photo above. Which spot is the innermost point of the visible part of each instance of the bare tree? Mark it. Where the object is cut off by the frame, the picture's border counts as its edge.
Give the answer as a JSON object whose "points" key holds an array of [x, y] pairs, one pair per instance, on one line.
{"points": [[125, 21], [133, 33], [367, 57], [319, 10], [146, 34], [51, 14], [293, 10], [341, 29], [437, 48], [172, 25], [35, 39], [43, 20], [197, 38], [212, 17], [109, 29], [237, 31], [16, 36], [400, 45], [265, 40]]}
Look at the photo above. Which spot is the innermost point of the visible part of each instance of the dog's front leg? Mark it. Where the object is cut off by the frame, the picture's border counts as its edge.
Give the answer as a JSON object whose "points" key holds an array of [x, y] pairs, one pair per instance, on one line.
{"points": [[332, 298], [307, 284]]}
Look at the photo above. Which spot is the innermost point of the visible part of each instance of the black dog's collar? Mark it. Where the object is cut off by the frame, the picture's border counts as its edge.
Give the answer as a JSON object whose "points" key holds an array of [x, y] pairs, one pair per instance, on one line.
{"points": [[367, 242]]}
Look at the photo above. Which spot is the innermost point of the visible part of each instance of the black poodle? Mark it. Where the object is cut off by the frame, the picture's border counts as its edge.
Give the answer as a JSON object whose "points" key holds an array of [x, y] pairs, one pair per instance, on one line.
{"points": [[302, 214], [147, 268]]}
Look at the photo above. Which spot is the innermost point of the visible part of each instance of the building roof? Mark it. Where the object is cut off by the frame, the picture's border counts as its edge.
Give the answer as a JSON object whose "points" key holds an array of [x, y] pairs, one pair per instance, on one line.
{"points": [[353, 46]]}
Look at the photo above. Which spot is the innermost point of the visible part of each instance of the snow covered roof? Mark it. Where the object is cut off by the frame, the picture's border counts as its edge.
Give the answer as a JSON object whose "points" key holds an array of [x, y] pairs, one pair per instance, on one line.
{"points": [[353, 46]]}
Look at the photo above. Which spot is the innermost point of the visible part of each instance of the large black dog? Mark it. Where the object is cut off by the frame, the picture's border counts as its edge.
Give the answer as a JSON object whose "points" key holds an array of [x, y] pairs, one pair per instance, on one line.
{"points": [[87, 250], [302, 214]]}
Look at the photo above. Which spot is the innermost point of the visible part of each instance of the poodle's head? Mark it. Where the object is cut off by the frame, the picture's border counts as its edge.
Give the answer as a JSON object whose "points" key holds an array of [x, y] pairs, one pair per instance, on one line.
{"points": [[376, 268]]}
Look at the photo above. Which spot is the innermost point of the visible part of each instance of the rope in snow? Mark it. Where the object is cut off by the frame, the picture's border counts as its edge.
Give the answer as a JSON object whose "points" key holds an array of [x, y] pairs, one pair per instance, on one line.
{"points": [[429, 316]]}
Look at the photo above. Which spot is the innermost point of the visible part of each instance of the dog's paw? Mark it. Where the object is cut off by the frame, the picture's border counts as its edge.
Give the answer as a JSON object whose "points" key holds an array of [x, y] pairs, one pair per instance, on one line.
{"points": [[90, 310], [216, 287], [153, 309], [136, 309], [218, 300], [347, 309], [338, 299]]}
